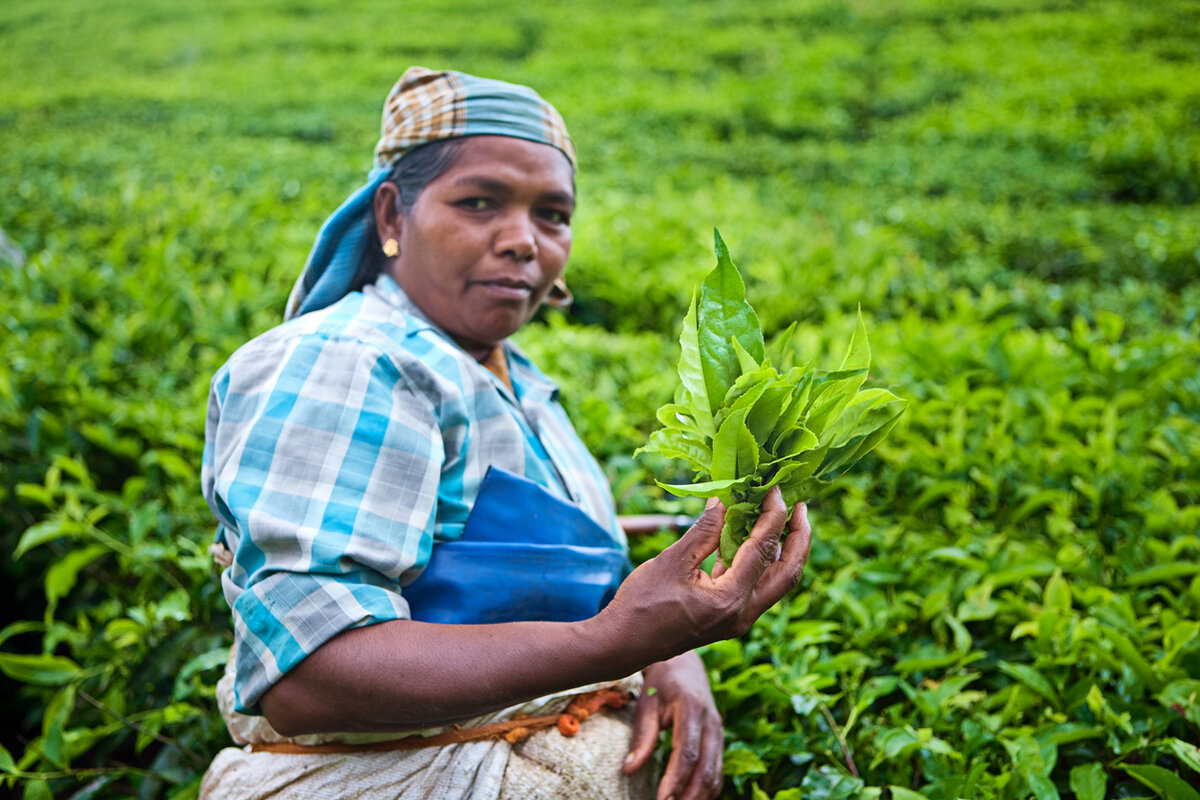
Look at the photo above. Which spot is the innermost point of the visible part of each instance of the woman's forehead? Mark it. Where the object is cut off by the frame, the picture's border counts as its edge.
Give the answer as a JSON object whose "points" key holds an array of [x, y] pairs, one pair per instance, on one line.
{"points": [[516, 163]]}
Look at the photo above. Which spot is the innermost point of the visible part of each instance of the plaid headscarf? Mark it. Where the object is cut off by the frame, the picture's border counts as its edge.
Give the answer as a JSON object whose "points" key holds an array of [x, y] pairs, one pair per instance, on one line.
{"points": [[424, 106]]}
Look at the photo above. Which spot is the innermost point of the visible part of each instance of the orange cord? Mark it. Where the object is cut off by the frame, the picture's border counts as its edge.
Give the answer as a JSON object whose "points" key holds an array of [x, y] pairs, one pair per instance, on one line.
{"points": [[511, 730]]}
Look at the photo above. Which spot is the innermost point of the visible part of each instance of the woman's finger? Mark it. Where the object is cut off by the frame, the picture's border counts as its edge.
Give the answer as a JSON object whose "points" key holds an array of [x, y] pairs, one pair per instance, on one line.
{"points": [[687, 740], [783, 575], [645, 733], [761, 548], [700, 540], [708, 776], [718, 568]]}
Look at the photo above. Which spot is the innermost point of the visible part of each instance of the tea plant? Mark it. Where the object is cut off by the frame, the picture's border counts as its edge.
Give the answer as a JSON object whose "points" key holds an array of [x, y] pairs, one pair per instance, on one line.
{"points": [[1002, 596]]}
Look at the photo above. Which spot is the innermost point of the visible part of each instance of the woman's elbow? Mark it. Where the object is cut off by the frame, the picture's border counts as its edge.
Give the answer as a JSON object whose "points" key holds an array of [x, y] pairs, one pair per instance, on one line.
{"points": [[286, 711]]}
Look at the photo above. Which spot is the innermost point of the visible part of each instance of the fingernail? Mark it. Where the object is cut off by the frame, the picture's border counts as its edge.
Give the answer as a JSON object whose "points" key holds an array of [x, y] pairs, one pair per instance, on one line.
{"points": [[778, 550], [628, 760]]}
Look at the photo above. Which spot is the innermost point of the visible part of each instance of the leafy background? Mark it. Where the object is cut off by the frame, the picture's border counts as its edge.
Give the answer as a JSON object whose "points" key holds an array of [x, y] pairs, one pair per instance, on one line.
{"points": [[1003, 599]]}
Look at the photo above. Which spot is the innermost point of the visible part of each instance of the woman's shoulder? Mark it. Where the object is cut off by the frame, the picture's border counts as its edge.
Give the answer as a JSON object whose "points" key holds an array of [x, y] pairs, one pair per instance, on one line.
{"points": [[373, 329], [348, 326]]}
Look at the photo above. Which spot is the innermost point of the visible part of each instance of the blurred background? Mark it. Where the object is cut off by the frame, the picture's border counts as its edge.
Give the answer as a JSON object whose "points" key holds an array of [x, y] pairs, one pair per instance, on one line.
{"points": [[1002, 601]]}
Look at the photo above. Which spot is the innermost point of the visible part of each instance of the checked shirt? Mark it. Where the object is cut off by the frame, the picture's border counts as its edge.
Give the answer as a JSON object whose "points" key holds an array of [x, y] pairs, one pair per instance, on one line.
{"points": [[340, 447]]}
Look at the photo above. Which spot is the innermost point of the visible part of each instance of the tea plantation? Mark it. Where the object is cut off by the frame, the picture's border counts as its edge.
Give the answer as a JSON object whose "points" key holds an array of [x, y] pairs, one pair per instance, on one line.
{"points": [[1003, 600]]}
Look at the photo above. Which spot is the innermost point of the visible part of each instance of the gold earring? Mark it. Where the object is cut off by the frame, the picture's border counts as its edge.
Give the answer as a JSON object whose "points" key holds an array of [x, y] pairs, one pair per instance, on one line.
{"points": [[391, 248], [559, 296]]}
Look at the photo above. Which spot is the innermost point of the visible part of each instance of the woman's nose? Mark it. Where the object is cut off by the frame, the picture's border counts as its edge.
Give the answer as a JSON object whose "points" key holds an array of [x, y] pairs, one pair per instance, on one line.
{"points": [[517, 238]]}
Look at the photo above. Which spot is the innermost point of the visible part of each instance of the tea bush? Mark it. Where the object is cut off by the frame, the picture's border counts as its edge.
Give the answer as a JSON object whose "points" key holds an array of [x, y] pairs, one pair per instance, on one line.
{"points": [[1002, 600]]}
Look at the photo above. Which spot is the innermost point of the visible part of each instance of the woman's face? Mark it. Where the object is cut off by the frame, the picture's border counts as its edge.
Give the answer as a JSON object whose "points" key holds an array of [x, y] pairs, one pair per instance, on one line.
{"points": [[486, 239]]}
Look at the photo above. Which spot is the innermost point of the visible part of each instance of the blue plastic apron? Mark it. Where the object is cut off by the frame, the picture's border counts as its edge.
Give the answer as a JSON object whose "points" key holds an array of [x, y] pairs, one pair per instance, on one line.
{"points": [[524, 554]]}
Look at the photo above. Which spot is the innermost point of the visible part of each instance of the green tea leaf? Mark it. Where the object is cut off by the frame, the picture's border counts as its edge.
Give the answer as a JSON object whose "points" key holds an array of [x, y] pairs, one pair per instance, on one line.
{"points": [[725, 316], [1164, 782], [900, 793], [1058, 592], [691, 372], [735, 451], [44, 670], [1183, 695], [1186, 752], [42, 532], [674, 443], [1133, 658], [740, 761], [744, 427], [62, 574], [6, 760], [1043, 788], [38, 790], [1088, 781], [1030, 677], [704, 489]]}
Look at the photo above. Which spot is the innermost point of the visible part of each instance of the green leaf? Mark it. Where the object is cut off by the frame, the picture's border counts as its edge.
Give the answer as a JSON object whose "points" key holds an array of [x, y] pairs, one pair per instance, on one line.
{"points": [[675, 443], [900, 793], [1186, 752], [1088, 781], [1164, 782], [54, 721], [1133, 658], [47, 531], [858, 353], [38, 789], [830, 395], [1184, 696], [735, 451], [869, 432], [691, 372], [62, 574], [1030, 677], [1043, 788], [765, 416], [744, 427], [1162, 573], [19, 627], [746, 362], [724, 315], [43, 670], [739, 518], [6, 760], [1058, 592], [704, 489], [738, 760]]}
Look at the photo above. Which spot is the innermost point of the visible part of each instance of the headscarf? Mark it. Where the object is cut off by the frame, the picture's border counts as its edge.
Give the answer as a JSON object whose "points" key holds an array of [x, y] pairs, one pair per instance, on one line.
{"points": [[424, 106]]}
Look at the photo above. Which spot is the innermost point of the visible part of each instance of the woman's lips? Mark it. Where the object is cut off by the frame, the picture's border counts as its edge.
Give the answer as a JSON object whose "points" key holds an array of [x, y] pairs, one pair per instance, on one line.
{"points": [[507, 289]]}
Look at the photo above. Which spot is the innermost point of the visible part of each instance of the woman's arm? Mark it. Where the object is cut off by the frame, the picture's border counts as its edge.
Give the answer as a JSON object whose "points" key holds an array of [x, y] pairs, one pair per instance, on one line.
{"points": [[406, 675]]}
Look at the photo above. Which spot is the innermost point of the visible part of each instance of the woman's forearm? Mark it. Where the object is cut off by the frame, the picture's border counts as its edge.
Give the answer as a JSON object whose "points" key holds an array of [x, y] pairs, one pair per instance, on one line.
{"points": [[406, 675]]}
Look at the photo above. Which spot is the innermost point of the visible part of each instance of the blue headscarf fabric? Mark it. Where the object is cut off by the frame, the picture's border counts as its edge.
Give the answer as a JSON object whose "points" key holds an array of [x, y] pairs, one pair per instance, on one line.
{"points": [[424, 106]]}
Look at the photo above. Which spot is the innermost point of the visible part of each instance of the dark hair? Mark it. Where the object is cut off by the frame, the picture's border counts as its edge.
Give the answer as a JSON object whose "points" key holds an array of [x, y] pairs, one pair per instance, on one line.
{"points": [[411, 174]]}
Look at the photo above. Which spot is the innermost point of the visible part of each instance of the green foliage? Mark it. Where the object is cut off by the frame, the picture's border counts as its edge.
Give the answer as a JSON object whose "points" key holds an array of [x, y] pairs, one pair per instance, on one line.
{"points": [[743, 427], [1002, 597]]}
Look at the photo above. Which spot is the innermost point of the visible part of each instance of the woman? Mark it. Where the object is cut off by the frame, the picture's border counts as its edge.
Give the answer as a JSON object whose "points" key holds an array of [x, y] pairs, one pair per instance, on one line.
{"points": [[361, 457]]}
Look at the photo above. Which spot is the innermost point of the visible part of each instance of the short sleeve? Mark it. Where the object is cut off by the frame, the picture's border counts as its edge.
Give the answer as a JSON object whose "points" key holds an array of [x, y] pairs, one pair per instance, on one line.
{"points": [[322, 465]]}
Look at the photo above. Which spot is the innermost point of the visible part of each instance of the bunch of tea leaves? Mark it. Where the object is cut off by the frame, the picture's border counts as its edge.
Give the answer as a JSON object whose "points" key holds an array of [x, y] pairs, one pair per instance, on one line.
{"points": [[744, 425]]}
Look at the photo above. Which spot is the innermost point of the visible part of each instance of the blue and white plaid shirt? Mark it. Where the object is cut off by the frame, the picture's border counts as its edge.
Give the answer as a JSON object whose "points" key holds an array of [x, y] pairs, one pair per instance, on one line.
{"points": [[341, 446]]}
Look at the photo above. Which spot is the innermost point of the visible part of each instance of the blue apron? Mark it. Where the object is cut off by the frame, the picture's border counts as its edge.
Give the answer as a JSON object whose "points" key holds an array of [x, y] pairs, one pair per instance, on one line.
{"points": [[524, 554]]}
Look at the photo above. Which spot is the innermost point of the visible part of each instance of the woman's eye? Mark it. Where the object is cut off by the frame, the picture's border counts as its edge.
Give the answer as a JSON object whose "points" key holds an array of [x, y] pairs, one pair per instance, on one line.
{"points": [[556, 216], [475, 203]]}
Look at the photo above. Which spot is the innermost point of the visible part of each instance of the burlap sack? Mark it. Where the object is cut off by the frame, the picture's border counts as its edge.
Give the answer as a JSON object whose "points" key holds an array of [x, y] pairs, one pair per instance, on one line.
{"points": [[546, 765]]}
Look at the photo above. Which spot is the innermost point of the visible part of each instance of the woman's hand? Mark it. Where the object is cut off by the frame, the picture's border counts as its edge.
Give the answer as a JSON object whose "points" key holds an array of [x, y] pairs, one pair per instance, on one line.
{"points": [[670, 605], [666, 607], [678, 697]]}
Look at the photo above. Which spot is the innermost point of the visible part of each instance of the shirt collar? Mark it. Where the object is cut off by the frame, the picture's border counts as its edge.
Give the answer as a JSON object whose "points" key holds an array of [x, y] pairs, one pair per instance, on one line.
{"points": [[529, 382]]}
